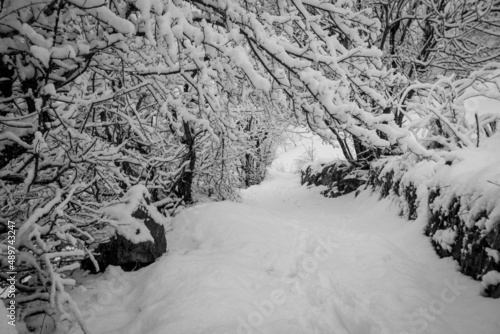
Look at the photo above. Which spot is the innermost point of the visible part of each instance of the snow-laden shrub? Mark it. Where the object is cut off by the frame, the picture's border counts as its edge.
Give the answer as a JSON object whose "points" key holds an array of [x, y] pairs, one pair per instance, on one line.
{"points": [[340, 177], [458, 200]]}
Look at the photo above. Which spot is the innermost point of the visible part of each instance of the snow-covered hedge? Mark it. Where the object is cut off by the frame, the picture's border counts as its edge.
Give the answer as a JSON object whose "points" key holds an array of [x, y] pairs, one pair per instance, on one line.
{"points": [[460, 201], [339, 176]]}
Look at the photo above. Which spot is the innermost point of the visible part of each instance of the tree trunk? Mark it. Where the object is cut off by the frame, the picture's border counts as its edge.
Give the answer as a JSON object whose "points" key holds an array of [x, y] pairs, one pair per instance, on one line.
{"points": [[184, 188]]}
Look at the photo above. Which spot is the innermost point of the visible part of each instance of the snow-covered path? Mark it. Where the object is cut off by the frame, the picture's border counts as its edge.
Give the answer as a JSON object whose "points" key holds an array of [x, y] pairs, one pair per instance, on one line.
{"points": [[287, 260]]}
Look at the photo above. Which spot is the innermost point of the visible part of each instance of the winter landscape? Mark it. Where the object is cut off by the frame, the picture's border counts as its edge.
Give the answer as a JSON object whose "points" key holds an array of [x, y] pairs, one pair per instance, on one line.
{"points": [[250, 166]]}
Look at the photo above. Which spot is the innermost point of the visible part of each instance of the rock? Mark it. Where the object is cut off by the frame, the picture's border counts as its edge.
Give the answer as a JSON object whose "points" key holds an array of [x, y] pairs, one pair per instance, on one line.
{"points": [[469, 248], [493, 291], [139, 239]]}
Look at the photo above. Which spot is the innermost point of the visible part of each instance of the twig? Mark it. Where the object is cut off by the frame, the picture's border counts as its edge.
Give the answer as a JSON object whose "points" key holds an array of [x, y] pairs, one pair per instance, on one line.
{"points": [[477, 128]]}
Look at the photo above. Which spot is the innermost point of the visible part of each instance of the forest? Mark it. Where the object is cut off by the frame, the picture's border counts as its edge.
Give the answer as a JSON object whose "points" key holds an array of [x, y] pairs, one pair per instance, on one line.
{"points": [[190, 99]]}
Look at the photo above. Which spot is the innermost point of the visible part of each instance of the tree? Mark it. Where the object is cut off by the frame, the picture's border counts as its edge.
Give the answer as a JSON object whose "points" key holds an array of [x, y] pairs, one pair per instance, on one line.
{"points": [[423, 39]]}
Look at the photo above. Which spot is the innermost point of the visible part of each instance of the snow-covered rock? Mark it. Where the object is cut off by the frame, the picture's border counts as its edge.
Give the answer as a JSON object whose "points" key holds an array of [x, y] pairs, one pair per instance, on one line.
{"points": [[491, 282], [136, 233]]}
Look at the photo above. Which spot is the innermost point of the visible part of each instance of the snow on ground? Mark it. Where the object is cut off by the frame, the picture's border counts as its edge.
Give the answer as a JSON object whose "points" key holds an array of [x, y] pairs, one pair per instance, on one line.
{"points": [[287, 260], [5, 327]]}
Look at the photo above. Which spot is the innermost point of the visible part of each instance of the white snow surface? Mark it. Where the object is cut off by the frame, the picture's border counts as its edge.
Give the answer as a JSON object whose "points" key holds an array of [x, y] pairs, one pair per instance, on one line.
{"points": [[5, 328], [288, 260], [445, 238]]}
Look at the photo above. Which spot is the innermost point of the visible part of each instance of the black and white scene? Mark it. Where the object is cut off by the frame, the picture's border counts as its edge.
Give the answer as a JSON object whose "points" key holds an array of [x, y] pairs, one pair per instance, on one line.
{"points": [[250, 166]]}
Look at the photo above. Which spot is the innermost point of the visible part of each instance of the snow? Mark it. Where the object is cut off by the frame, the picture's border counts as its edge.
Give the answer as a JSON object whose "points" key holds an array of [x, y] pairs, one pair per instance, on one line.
{"points": [[482, 106], [5, 328], [120, 215], [491, 278], [298, 149], [474, 176], [41, 54], [493, 253], [14, 129], [104, 14], [63, 52], [49, 89], [239, 56], [445, 238], [35, 37], [471, 176], [288, 260]]}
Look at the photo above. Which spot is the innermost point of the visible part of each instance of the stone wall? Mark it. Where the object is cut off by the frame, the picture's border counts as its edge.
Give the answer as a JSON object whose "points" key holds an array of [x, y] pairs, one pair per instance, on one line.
{"points": [[453, 233], [477, 253], [476, 250]]}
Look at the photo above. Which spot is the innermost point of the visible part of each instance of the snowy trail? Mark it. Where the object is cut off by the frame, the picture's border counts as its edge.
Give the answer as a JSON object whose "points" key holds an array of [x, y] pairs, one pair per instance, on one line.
{"points": [[287, 260]]}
